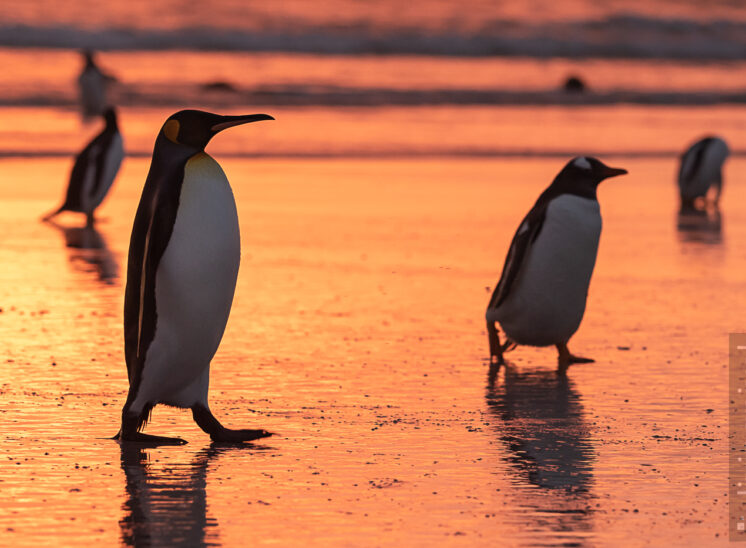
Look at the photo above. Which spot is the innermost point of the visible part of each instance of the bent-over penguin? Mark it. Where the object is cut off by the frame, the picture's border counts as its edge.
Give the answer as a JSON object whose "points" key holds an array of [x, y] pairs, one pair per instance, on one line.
{"points": [[94, 170], [181, 275], [701, 169], [540, 298]]}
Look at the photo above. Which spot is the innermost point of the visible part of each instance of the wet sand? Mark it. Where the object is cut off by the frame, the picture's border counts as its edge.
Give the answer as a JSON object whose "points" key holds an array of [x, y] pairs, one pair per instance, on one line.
{"points": [[357, 335]]}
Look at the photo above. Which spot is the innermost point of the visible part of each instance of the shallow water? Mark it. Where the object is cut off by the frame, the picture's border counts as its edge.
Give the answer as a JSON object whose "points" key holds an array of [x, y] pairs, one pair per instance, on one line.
{"points": [[357, 336]]}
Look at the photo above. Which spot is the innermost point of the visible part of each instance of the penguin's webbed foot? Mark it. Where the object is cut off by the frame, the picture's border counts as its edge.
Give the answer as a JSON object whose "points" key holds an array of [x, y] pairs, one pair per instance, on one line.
{"points": [[219, 433], [139, 437], [226, 435], [566, 358]]}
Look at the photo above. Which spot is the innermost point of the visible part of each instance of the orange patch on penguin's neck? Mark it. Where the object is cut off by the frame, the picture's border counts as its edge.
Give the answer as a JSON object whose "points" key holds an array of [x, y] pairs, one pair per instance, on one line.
{"points": [[171, 130]]}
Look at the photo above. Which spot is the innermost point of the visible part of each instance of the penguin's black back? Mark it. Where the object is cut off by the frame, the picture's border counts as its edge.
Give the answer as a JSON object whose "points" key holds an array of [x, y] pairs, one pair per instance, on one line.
{"points": [[151, 232], [93, 154], [697, 151]]}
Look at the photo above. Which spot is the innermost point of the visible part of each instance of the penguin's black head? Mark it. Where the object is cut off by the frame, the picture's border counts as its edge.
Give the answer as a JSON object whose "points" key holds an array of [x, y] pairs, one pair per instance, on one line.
{"points": [[87, 57], [585, 170], [110, 116], [195, 128]]}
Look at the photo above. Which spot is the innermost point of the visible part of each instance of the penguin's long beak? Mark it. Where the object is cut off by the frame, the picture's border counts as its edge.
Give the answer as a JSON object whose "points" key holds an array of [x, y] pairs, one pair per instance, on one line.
{"points": [[230, 121], [613, 172]]}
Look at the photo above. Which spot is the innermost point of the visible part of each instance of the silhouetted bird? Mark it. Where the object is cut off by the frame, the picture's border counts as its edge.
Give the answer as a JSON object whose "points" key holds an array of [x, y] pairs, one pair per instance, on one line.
{"points": [[94, 170], [702, 169], [574, 84], [181, 275], [93, 84], [540, 299]]}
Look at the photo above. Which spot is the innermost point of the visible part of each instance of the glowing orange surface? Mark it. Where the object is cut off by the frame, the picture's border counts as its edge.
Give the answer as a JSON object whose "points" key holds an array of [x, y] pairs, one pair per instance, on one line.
{"points": [[357, 336]]}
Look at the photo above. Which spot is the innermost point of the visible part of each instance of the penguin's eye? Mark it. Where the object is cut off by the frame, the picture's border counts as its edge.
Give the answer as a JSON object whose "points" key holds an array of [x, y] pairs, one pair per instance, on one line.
{"points": [[171, 130], [582, 163]]}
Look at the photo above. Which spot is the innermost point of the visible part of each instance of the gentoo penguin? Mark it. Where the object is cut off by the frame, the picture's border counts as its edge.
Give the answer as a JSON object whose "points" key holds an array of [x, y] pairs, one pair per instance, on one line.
{"points": [[540, 299], [94, 170], [702, 168], [92, 84], [181, 274]]}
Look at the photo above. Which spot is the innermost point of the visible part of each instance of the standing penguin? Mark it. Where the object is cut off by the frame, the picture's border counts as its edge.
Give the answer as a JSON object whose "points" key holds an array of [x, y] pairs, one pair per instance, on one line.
{"points": [[181, 275], [702, 168], [540, 299], [92, 86], [94, 170]]}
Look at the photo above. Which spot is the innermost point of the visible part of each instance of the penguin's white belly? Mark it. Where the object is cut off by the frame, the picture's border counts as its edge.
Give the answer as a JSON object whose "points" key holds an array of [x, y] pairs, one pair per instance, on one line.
{"points": [[112, 162], [194, 287], [92, 91], [547, 300]]}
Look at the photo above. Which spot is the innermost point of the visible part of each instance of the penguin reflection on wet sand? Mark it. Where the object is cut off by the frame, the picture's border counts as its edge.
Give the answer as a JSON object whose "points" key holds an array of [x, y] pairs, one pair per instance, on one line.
{"points": [[540, 298], [183, 265], [540, 418], [89, 251], [702, 169], [94, 171]]}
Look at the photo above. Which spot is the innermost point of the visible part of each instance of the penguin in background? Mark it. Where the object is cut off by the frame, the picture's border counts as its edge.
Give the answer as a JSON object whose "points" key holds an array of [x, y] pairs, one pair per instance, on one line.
{"points": [[94, 170], [702, 169], [92, 87], [541, 296], [181, 276]]}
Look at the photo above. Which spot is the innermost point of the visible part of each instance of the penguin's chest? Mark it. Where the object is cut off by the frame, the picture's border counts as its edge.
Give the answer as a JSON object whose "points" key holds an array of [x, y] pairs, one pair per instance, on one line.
{"points": [[549, 297], [196, 277]]}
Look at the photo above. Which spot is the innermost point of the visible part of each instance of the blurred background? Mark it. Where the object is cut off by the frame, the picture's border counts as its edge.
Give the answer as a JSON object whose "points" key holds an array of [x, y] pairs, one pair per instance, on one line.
{"points": [[419, 79], [410, 140]]}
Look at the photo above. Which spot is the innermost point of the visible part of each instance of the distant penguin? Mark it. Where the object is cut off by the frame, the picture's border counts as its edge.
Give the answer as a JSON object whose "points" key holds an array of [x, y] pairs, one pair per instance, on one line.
{"points": [[540, 299], [181, 275], [702, 169], [94, 170], [92, 85], [574, 84]]}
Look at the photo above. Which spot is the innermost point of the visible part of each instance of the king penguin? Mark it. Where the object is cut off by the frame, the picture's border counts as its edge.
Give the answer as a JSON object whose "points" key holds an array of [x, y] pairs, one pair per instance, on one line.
{"points": [[92, 84], [183, 264], [94, 170], [540, 298], [701, 169]]}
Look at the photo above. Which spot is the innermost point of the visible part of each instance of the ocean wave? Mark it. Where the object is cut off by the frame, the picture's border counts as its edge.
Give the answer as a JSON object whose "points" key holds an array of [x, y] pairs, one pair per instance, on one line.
{"points": [[620, 36], [225, 95], [381, 153]]}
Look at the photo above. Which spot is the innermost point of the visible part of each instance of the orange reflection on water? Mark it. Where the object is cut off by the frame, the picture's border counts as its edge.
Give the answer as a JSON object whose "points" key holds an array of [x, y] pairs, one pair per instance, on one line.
{"points": [[357, 335]]}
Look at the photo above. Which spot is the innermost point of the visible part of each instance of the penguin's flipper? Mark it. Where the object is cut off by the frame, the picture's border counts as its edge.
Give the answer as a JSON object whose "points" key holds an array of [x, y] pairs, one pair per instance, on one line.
{"points": [[526, 234], [97, 188], [83, 175], [151, 232]]}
